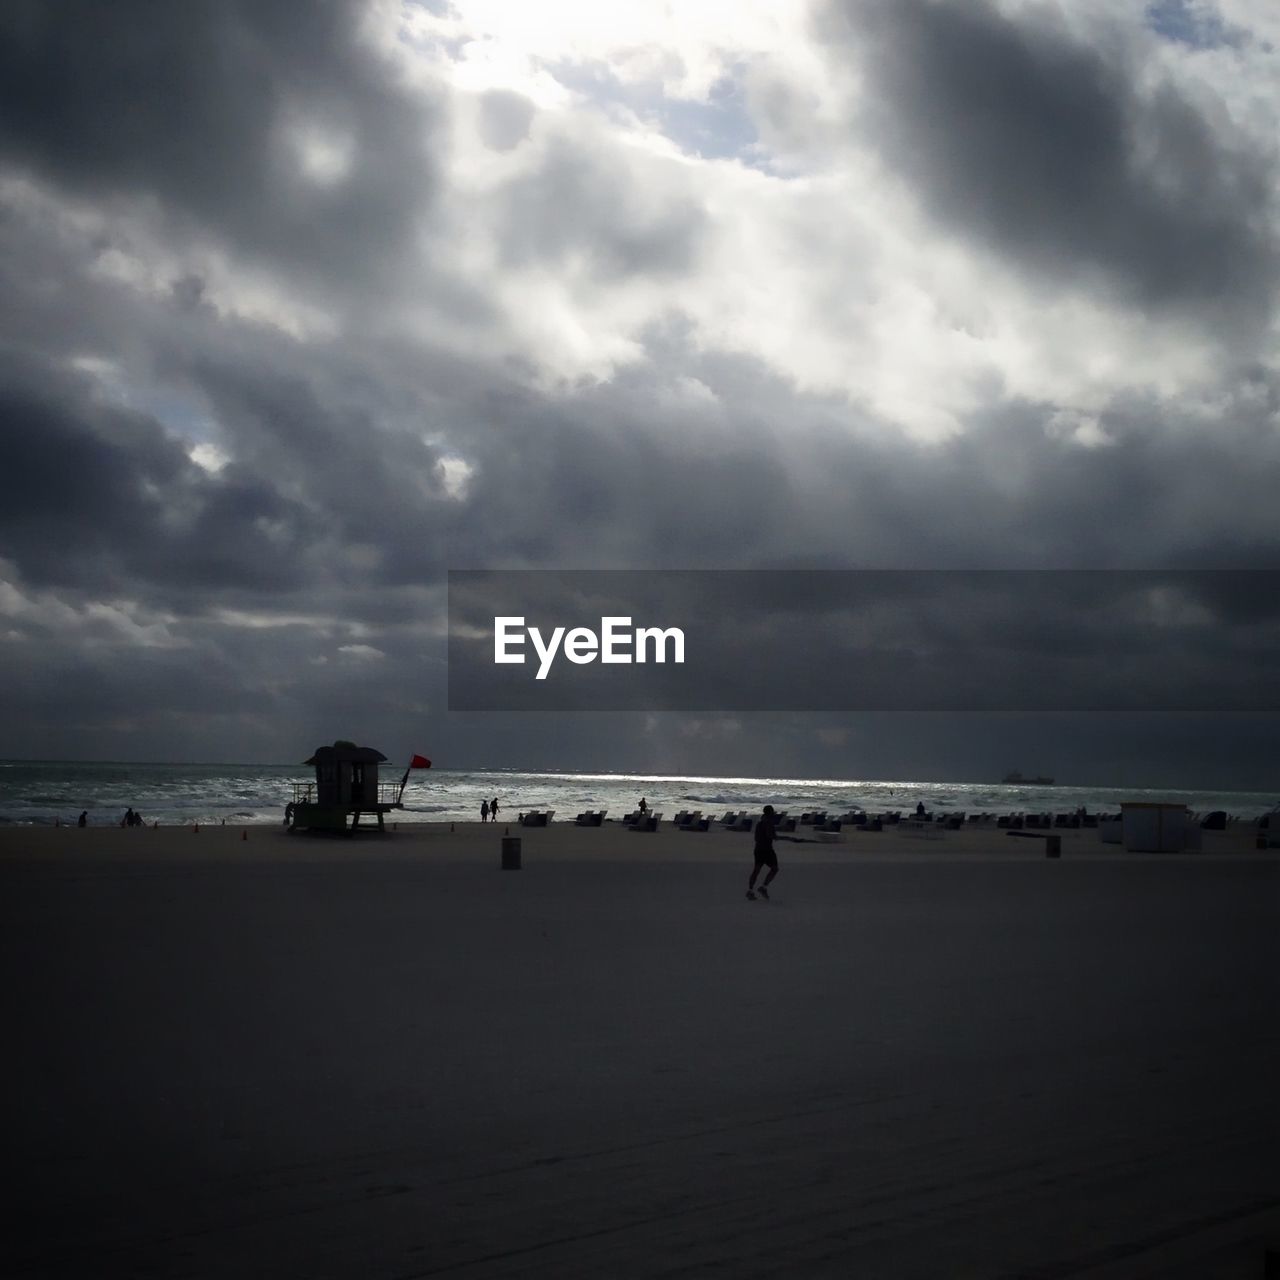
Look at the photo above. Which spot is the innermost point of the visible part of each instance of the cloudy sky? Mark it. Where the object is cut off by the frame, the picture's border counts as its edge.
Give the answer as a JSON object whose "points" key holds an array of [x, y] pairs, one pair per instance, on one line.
{"points": [[302, 306]]}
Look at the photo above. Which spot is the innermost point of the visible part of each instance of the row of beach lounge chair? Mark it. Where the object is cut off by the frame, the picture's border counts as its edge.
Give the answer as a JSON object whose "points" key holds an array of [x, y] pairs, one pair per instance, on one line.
{"points": [[693, 820], [821, 821]]}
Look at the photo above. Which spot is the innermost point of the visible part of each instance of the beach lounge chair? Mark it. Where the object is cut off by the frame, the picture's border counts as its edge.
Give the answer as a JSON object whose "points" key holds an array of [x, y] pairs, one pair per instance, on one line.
{"points": [[646, 822], [538, 818], [591, 818]]}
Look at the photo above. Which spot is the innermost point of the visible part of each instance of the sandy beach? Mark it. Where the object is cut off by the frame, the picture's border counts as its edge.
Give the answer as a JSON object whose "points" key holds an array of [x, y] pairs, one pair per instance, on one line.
{"points": [[291, 1056]]}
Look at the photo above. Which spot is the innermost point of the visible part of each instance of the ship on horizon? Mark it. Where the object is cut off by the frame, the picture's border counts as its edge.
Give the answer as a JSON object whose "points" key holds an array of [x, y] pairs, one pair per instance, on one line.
{"points": [[1014, 778]]}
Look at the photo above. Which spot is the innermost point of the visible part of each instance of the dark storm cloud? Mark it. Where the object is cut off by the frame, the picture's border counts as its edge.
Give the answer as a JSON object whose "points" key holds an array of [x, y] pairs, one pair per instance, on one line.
{"points": [[1056, 153], [191, 104], [609, 477], [334, 438], [100, 497], [613, 476]]}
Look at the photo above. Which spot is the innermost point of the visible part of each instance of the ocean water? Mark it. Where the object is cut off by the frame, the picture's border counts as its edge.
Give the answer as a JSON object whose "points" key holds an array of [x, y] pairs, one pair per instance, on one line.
{"points": [[40, 792]]}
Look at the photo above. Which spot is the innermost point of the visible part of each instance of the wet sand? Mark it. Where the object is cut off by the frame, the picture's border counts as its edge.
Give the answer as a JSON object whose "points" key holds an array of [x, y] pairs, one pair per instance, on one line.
{"points": [[386, 1057]]}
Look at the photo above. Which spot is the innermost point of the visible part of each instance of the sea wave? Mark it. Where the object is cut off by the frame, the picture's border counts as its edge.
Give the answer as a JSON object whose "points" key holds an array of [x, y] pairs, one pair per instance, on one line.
{"points": [[42, 793]]}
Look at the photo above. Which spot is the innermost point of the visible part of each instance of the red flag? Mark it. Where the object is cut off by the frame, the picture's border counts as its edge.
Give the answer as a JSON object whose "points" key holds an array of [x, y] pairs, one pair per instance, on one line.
{"points": [[419, 762]]}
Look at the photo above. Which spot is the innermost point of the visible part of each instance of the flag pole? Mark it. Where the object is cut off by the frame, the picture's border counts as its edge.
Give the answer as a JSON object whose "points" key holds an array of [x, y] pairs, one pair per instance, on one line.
{"points": [[415, 762]]}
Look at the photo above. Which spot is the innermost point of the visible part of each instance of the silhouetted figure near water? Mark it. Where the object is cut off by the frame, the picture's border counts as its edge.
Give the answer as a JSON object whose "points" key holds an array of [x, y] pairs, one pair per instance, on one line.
{"points": [[643, 805], [919, 808], [493, 809], [765, 856], [484, 811], [84, 818]]}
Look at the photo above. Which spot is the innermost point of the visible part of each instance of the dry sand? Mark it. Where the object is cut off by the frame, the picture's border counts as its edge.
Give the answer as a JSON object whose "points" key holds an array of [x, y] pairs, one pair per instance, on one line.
{"points": [[291, 1056]]}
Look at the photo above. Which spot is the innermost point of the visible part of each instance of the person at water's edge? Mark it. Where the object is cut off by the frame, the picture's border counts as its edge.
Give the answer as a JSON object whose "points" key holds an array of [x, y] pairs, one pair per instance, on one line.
{"points": [[765, 856]]}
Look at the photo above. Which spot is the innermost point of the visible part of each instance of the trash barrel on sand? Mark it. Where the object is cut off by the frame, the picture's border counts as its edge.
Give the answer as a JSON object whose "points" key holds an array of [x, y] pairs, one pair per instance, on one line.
{"points": [[511, 853]]}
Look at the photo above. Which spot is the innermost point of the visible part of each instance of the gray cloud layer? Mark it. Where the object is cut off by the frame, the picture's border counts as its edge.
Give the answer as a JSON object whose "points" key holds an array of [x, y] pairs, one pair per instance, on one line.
{"points": [[187, 103], [157, 606], [1061, 152]]}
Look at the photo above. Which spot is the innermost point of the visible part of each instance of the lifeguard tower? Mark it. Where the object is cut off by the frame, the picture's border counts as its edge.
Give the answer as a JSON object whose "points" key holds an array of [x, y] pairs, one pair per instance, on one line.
{"points": [[346, 783]]}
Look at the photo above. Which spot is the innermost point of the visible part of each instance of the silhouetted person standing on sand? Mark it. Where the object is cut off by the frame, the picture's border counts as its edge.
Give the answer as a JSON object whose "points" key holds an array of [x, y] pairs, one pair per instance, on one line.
{"points": [[493, 809], [484, 811], [765, 856], [644, 805], [84, 818]]}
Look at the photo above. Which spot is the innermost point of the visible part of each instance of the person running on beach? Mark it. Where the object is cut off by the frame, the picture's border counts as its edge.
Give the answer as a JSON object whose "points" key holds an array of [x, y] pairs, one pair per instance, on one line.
{"points": [[765, 856], [484, 811]]}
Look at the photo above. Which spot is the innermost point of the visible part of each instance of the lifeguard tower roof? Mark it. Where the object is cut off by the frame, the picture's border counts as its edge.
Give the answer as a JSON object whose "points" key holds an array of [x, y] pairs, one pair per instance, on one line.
{"points": [[345, 753]]}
